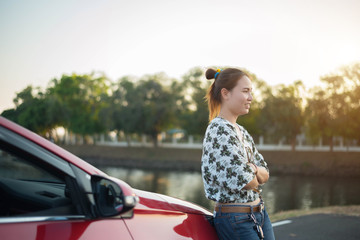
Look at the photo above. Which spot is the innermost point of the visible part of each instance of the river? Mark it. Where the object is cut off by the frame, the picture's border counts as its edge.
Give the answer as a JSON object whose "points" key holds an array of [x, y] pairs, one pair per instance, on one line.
{"points": [[281, 192]]}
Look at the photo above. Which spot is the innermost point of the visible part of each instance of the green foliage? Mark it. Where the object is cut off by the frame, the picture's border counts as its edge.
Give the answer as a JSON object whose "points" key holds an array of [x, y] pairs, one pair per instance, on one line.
{"points": [[195, 114], [91, 104], [148, 106], [157, 108], [126, 106], [80, 99], [318, 117], [33, 111], [334, 110], [282, 115]]}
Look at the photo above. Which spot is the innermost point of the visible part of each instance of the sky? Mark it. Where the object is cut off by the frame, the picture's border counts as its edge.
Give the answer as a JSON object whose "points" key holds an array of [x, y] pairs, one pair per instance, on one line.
{"points": [[280, 41]]}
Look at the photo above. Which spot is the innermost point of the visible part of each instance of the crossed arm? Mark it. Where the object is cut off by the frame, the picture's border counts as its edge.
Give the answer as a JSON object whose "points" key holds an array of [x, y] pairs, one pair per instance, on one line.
{"points": [[261, 176]]}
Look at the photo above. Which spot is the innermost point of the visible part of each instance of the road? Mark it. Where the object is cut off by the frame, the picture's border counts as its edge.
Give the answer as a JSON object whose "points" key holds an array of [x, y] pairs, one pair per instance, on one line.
{"points": [[319, 227]]}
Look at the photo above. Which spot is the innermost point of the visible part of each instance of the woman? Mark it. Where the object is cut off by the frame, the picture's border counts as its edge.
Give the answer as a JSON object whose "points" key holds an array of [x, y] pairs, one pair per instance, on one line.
{"points": [[232, 168]]}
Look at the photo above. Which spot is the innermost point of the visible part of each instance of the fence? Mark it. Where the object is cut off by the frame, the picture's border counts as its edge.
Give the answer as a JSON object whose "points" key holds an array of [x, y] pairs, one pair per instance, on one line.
{"points": [[191, 144]]}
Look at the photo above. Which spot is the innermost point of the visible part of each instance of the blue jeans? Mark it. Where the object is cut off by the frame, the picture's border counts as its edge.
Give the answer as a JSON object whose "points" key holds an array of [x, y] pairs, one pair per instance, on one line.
{"points": [[241, 226]]}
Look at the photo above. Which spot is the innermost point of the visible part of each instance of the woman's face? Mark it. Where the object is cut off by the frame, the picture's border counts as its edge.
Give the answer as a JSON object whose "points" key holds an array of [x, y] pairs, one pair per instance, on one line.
{"points": [[238, 100]]}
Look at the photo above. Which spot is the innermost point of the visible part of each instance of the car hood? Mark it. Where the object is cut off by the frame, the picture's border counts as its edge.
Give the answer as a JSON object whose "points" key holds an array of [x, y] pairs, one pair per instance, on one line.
{"points": [[150, 202]]}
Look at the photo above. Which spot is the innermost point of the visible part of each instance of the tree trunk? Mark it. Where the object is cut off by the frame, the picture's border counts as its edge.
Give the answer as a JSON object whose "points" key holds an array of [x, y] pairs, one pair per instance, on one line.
{"points": [[155, 139], [293, 144], [128, 140], [331, 143]]}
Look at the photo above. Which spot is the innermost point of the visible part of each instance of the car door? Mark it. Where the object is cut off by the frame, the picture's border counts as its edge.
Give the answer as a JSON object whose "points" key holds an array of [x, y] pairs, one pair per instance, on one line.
{"points": [[42, 196]]}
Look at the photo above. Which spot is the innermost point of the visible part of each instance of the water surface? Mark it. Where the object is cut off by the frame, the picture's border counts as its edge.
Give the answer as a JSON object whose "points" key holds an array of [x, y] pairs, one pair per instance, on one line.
{"points": [[281, 193]]}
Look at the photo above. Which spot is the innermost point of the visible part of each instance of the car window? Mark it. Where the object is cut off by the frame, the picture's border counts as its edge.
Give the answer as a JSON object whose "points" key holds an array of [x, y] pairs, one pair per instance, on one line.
{"points": [[30, 187], [15, 167]]}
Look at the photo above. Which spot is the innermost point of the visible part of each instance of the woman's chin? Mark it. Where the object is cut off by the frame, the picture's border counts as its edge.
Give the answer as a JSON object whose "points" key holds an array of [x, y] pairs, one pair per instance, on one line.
{"points": [[244, 112]]}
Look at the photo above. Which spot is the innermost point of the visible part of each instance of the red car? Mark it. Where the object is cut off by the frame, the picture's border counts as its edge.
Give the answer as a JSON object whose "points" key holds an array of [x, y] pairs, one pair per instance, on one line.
{"points": [[48, 193]]}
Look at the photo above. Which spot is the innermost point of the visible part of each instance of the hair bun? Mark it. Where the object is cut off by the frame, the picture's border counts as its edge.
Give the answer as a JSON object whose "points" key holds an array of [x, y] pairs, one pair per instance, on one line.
{"points": [[210, 73]]}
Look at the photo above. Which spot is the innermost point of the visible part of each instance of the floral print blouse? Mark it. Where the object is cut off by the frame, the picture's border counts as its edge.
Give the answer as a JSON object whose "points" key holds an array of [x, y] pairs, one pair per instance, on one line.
{"points": [[224, 166]]}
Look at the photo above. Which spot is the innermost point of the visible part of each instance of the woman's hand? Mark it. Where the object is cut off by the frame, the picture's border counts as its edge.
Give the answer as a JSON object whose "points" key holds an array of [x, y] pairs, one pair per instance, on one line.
{"points": [[262, 175]]}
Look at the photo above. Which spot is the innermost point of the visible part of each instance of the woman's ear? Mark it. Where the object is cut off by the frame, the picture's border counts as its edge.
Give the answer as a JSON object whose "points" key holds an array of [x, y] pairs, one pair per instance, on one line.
{"points": [[225, 93]]}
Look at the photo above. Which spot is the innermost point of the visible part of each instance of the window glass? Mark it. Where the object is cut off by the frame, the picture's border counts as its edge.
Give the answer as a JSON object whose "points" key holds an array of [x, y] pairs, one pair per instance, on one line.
{"points": [[15, 167], [30, 187]]}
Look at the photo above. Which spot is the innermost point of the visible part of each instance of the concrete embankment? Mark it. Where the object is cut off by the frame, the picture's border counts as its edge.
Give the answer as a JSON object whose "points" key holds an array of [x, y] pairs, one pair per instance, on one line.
{"points": [[280, 162]]}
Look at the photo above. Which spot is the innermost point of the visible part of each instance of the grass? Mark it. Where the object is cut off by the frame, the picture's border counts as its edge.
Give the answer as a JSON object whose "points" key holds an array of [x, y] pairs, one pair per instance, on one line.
{"points": [[352, 210]]}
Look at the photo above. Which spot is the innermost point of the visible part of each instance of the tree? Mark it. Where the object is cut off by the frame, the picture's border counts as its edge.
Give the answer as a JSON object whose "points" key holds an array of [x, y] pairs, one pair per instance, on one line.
{"points": [[158, 105], [33, 110], [282, 114], [195, 114], [318, 117], [334, 110], [351, 126], [80, 98], [127, 107]]}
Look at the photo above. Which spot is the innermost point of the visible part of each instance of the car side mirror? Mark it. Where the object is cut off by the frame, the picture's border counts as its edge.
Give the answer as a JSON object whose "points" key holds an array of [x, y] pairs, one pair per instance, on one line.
{"points": [[109, 197]]}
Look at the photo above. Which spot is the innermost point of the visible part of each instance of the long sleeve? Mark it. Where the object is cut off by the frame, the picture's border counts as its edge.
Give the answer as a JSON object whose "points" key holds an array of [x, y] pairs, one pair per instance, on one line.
{"points": [[257, 158], [224, 164]]}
